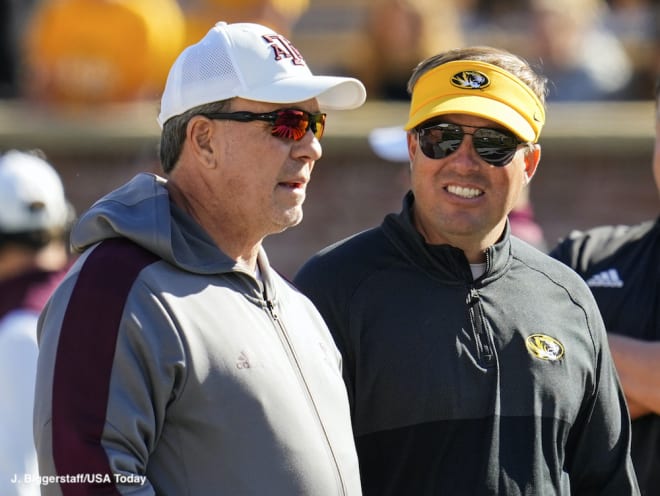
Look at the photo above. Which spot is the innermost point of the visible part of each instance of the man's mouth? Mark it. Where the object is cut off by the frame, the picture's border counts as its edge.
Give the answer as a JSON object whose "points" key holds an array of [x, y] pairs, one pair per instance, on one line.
{"points": [[463, 192], [292, 184]]}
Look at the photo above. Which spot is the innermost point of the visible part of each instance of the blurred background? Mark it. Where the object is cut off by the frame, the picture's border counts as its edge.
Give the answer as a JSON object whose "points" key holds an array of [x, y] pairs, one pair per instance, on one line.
{"points": [[81, 80]]}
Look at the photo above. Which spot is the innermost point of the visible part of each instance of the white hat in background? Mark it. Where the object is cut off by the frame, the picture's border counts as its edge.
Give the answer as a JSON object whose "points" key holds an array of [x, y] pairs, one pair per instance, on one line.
{"points": [[390, 143], [31, 195], [253, 62]]}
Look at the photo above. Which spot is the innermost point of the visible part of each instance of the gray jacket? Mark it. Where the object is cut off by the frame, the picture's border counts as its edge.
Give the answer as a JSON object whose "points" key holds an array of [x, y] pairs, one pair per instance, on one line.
{"points": [[167, 368]]}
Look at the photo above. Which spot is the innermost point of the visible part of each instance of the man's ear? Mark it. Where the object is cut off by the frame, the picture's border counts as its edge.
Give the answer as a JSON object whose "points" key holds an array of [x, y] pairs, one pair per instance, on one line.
{"points": [[532, 159], [200, 136], [413, 143]]}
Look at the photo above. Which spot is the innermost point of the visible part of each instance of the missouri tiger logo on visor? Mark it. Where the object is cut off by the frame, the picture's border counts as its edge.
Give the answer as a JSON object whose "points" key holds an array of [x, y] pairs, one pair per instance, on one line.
{"points": [[470, 80], [544, 347]]}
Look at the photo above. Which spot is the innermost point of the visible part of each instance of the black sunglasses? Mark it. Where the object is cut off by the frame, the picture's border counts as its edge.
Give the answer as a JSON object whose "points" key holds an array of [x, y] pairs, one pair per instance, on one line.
{"points": [[494, 146], [286, 123]]}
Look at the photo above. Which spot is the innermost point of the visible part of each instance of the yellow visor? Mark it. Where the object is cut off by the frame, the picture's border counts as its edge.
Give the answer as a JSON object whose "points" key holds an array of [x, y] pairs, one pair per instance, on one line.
{"points": [[479, 89]]}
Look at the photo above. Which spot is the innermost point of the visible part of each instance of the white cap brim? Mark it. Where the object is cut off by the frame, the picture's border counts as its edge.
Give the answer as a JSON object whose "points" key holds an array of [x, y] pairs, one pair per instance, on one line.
{"points": [[332, 92]]}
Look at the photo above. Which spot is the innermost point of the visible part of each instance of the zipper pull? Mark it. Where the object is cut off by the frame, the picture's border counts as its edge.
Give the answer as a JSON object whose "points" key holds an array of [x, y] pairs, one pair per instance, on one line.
{"points": [[271, 309], [472, 297]]}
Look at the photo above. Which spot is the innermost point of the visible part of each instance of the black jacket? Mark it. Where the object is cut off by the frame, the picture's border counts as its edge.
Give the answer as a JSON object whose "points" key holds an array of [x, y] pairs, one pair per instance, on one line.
{"points": [[621, 265], [503, 385]]}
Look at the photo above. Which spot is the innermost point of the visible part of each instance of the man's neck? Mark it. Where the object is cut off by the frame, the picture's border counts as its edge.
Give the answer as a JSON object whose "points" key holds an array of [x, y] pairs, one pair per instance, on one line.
{"points": [[234, 241]]}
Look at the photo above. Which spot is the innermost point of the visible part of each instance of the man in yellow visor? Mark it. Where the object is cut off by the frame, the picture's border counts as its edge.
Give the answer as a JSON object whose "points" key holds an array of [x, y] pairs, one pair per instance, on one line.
{"points": [[475, 364]]}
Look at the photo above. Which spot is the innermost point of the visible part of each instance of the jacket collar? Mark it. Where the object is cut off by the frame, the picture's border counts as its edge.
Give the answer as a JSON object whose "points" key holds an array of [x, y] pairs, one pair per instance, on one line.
{"points": [[444, 262]]}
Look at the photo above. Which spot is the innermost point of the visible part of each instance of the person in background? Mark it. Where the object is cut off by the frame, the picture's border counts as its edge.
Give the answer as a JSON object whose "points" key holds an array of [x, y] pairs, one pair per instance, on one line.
{"points": [[34, 222], [76, 54], [583, 58], [621, 265], [418, 25], [474, 363], [173, 359], [636, 23], [279, 15]]}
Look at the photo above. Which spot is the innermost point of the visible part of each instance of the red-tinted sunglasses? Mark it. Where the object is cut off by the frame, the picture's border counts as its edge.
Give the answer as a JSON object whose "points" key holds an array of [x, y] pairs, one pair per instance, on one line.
{"points": [[286, 123]]}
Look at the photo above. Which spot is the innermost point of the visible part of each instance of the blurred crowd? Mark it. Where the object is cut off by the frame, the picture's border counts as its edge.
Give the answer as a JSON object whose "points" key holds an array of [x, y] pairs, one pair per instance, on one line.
{"points": [[104, 51]]}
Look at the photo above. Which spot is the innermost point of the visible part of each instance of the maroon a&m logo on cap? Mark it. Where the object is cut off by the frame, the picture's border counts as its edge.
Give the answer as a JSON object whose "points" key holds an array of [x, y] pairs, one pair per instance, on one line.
{"points": [[470, 80], [283, 49]]}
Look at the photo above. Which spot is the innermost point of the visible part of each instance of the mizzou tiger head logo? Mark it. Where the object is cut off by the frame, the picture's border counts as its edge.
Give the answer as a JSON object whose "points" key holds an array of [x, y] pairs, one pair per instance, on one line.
{"points": [[470, 80], [544, 347]]}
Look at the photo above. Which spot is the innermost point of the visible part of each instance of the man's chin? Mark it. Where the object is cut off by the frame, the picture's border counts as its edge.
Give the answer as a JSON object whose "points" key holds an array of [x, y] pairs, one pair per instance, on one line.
{"points": [[290, 218]]}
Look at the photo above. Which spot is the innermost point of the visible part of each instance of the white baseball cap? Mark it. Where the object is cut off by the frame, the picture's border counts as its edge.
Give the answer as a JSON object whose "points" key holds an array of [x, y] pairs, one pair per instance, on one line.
{"points": [[250, 61], [31, 195]]}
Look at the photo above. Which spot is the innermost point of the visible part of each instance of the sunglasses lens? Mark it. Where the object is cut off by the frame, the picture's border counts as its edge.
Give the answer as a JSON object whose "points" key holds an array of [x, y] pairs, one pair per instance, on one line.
{"points": [[318, 125], [495, 147], [290, 124], [293, 124], [440, 140]]}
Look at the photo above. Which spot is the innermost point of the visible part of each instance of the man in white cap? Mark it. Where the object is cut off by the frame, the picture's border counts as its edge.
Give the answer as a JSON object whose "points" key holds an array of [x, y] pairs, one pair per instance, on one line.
{"points": [[34, 221], [475, 363], [173, 359]]}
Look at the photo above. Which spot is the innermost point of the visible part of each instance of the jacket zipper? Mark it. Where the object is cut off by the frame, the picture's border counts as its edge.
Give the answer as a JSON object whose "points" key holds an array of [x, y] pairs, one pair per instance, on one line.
{"points": [[483, 340], [289, 347]]}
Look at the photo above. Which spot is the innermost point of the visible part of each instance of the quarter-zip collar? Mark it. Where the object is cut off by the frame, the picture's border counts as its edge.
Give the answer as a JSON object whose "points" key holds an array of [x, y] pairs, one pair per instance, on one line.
{"points": [[266, 284], [444, 262]]}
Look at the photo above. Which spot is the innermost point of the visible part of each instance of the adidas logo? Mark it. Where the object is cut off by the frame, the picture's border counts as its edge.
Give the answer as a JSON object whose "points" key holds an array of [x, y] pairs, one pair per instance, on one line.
{"points": [[605, 279], [243, 362]]}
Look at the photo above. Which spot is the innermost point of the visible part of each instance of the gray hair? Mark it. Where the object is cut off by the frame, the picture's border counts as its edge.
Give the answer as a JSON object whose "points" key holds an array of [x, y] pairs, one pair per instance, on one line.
{"points": [[173, 135]]}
